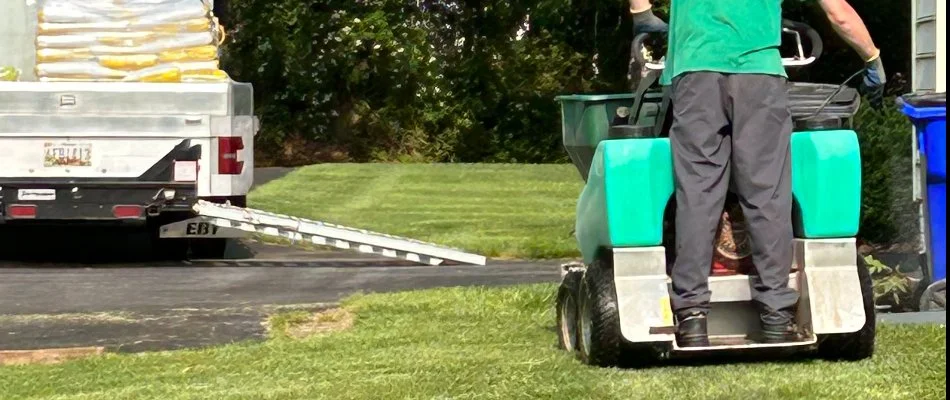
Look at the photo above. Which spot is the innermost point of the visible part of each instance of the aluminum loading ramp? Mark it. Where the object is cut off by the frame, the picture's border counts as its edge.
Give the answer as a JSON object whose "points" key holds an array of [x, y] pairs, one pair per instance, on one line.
{"points": [[248, 220]]}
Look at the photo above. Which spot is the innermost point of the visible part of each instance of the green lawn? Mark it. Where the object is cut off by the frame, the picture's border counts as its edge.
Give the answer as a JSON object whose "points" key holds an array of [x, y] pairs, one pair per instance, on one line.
{"points": [[472, 343], [504, 211]]}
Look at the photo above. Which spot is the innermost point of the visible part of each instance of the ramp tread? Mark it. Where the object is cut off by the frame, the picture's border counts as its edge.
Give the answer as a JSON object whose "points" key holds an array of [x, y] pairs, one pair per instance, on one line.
{"points": [[326, 234]]}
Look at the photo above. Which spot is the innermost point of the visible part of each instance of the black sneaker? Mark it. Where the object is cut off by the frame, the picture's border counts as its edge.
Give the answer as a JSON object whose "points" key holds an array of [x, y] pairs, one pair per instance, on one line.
{"points": [[691, 331]]}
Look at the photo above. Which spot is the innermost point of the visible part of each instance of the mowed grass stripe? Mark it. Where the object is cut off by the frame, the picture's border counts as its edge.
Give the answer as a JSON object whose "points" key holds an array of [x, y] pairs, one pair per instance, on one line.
{"points": [[498, 210]]}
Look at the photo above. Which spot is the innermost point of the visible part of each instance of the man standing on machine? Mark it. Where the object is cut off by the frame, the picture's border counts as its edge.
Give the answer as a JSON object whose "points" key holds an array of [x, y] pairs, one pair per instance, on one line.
{"points": [[732, 129]]}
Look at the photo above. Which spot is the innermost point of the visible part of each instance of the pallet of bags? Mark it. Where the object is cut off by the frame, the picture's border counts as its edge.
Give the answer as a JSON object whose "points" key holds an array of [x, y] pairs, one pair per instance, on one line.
{"points": [[128, 41]]}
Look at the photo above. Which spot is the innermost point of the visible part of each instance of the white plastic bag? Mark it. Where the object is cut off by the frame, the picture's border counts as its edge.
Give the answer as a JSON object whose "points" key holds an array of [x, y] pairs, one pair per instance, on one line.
{"points": [[173, 15], [180, 41], [71, 11], [46, 28], [77, 70], [159, 73], [77, 79], [191, 25], [59, 55], [190, 54], [212, 76], [172, 72], [88, 39]]}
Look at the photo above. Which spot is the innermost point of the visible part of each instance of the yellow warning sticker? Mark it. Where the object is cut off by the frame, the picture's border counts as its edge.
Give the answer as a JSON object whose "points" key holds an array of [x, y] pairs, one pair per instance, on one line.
{"points": [[666, 311]]}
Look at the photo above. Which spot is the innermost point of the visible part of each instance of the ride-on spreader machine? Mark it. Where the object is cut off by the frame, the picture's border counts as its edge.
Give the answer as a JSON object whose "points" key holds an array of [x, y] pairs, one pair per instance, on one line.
{"points": [[615, 306]]}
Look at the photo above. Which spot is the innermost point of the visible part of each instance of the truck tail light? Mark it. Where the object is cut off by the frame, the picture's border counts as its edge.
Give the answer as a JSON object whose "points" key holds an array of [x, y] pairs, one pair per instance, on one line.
{"points": [[228, 147], [22, 211], [127, 211]]}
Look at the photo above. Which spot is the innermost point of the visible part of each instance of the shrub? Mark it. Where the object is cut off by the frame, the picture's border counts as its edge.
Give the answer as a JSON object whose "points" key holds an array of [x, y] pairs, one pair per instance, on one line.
{"points": [[889, 213]]}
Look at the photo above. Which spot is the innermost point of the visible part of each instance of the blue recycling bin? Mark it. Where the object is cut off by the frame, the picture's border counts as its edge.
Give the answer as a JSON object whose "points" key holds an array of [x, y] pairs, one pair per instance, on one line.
{"points": [[928, 112]]}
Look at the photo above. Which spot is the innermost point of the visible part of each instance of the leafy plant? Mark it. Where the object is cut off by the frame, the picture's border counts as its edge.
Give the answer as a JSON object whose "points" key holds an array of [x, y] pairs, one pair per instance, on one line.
{"points": [[889, 283]]}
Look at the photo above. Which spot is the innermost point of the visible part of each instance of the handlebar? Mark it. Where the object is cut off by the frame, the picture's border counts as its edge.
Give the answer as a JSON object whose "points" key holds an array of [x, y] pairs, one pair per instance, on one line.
{"points": [[798, 28], [788, 26], [638, 48]]}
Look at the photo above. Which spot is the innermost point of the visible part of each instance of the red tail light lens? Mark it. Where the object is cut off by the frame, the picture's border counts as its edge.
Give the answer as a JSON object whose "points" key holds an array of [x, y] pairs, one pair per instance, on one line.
{"points": [[126, 212], [228, 148], [22, 211]]}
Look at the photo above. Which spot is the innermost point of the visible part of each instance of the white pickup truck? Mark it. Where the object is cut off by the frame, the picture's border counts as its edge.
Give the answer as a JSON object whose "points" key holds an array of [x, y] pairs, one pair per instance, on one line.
{"points": [[118, 152]]}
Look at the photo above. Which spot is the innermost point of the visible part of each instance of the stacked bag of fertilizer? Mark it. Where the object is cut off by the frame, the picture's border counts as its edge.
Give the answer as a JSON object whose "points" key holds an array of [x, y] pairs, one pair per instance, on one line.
{"points": [[128, 41]]}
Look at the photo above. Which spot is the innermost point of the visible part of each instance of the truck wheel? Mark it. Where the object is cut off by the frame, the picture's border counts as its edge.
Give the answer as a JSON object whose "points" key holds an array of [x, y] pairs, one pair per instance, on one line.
{"points": [[567, 310], [239, 201], [599, 339], [857, 345], [208, 249]]}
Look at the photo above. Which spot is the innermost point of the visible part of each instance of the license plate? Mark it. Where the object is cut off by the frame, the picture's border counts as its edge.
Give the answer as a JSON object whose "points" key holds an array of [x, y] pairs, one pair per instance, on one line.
{"points": [[67, 155], [36, 194]]}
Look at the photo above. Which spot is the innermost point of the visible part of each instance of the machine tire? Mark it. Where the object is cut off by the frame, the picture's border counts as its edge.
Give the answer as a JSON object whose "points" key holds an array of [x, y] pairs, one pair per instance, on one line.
{"points": [[208, 249], [857, 345], [599, 339], [566, 309], [934, 297]]}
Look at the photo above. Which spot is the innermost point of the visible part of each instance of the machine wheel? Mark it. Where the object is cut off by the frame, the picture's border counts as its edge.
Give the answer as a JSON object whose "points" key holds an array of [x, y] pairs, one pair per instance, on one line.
{"points": [[567, 310], [934, 297], [599, 339], [208, 249], [857, 345]]}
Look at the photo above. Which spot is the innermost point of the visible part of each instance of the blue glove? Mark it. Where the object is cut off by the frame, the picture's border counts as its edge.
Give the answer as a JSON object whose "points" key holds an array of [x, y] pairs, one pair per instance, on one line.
{"points": [[646, 22], [872, 86]]}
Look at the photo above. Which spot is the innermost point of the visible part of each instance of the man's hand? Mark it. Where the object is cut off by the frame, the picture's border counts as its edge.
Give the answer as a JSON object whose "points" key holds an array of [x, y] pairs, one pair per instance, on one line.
{"points": [[872, 86], [646, 22], [851, 28]]}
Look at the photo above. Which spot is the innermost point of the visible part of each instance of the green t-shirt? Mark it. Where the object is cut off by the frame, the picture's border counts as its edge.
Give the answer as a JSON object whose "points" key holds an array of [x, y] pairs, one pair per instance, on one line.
{"points": [[728, 36]]}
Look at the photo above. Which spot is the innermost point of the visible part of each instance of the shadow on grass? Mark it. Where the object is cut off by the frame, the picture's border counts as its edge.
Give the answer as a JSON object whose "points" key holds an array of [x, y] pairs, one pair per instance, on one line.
{"points": [[756, 356]]}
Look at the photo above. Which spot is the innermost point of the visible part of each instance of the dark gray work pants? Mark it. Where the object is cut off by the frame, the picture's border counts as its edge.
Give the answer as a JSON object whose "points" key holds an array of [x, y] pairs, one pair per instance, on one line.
{"points": [[732, 131]]}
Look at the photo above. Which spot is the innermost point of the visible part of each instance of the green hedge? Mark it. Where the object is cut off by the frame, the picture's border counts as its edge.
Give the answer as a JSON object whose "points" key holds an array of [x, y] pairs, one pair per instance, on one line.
{"points": [[889, 213]]}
